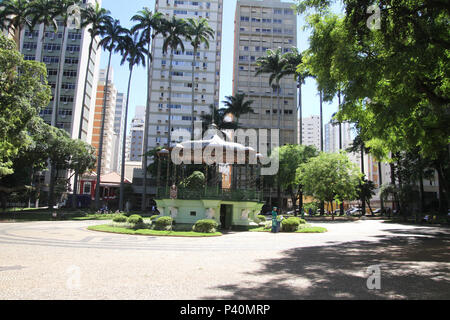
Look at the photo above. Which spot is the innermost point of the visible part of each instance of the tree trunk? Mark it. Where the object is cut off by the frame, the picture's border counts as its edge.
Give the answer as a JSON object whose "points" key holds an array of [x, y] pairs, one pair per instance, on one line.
{"points": [[193, 94], [146, 131], [170, 98], [442, 196], [363, 202], [300, 106], [124, 143]]}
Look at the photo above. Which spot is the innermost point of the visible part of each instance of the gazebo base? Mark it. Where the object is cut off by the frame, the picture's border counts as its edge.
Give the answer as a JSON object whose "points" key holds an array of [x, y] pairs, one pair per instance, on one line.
{"points": [[228, 214]]}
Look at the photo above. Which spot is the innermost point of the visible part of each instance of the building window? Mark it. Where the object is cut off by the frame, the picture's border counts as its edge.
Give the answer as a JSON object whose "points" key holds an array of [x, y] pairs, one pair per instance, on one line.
{"points": [[193, 213], [87, 188]]}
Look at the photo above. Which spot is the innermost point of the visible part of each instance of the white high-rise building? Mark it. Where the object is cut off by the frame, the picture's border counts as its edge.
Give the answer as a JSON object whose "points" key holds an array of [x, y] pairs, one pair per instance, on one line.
{"points": [[207, 72], [136, 135], [332, 137], [260, 26], [119, 125], [70, 74], [311, 131]]}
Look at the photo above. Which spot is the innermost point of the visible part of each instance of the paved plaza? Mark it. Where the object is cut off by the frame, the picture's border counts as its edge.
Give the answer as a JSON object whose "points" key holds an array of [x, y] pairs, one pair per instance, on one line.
{"points": [[64, 260]]}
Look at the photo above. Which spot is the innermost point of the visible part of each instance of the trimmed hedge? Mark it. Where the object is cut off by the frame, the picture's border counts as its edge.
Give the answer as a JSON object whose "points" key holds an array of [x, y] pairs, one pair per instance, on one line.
{"points": [[135, 219], [120, 218], [262, 218], [153, 218], [205, 226], [290, 224], [163, 223]]}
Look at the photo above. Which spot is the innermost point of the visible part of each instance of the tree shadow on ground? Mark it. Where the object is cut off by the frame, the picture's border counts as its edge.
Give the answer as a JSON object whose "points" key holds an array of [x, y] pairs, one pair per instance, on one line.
{"points": [[414, 264]]}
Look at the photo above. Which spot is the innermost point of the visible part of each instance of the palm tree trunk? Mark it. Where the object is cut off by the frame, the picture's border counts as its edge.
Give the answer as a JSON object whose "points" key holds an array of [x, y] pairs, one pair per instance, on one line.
{"points": [[124, 143], [363, 200], [380, 183], [300, 106], [102, 132], [193, 94], [169, 105], [280, 200], [321, 122], [322, 204], [146, 129], [80, 130]]}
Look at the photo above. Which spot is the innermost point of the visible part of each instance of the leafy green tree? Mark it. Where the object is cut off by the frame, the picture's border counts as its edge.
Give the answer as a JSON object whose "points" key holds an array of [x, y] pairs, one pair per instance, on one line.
{"points": [[394, 79], [22, 94], [196, 181], [329, 177], [291, 157], [237, 105]]}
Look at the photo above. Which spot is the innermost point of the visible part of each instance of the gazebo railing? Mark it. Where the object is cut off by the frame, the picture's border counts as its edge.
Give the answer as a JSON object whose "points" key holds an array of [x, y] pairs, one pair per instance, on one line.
{"points": [[211, 193]]}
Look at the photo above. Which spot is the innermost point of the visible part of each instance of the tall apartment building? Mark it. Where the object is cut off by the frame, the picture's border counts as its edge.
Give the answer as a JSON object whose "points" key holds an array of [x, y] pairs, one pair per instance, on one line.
{"points": [[119, 127], [311, 131], [108, 137], [71, 73], [259, 26], [332, 137], [136, 136], [207, 72]]}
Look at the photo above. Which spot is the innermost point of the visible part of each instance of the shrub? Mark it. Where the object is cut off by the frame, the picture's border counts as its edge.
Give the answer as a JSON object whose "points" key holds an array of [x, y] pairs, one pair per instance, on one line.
{"points": [[163, 223], [153, 218], [302, 221], [120, 218], [290, 224], [205, 226], [262, 218], [135, 220]]}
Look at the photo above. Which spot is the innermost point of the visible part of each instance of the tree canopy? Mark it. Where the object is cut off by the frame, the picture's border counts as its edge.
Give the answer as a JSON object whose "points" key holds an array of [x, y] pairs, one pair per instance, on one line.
{"points": [[23, 91]]}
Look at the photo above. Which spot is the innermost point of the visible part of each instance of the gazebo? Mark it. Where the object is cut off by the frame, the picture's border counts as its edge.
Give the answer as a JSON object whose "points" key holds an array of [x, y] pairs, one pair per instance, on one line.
{"points": [[230, 194]]}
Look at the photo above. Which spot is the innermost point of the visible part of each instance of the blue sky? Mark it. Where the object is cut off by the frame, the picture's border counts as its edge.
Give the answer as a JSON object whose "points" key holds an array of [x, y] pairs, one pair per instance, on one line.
{"points": [[124, 10]]}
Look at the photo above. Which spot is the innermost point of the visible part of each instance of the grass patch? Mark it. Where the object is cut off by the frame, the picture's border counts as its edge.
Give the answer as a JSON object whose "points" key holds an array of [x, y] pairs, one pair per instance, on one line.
{"points": [[302, 229], [311, 229], [150, 232]]}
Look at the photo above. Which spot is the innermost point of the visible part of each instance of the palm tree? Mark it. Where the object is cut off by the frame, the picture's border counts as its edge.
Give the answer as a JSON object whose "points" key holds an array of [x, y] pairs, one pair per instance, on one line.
{"points": [[293, 60], [217, 117], [199, 32], [14, 14], [94, 18], [44, 12], [62, 10], [237, 106], [134, 52], [273, 63], [175, 29], [113, 35], [151, 25]]}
